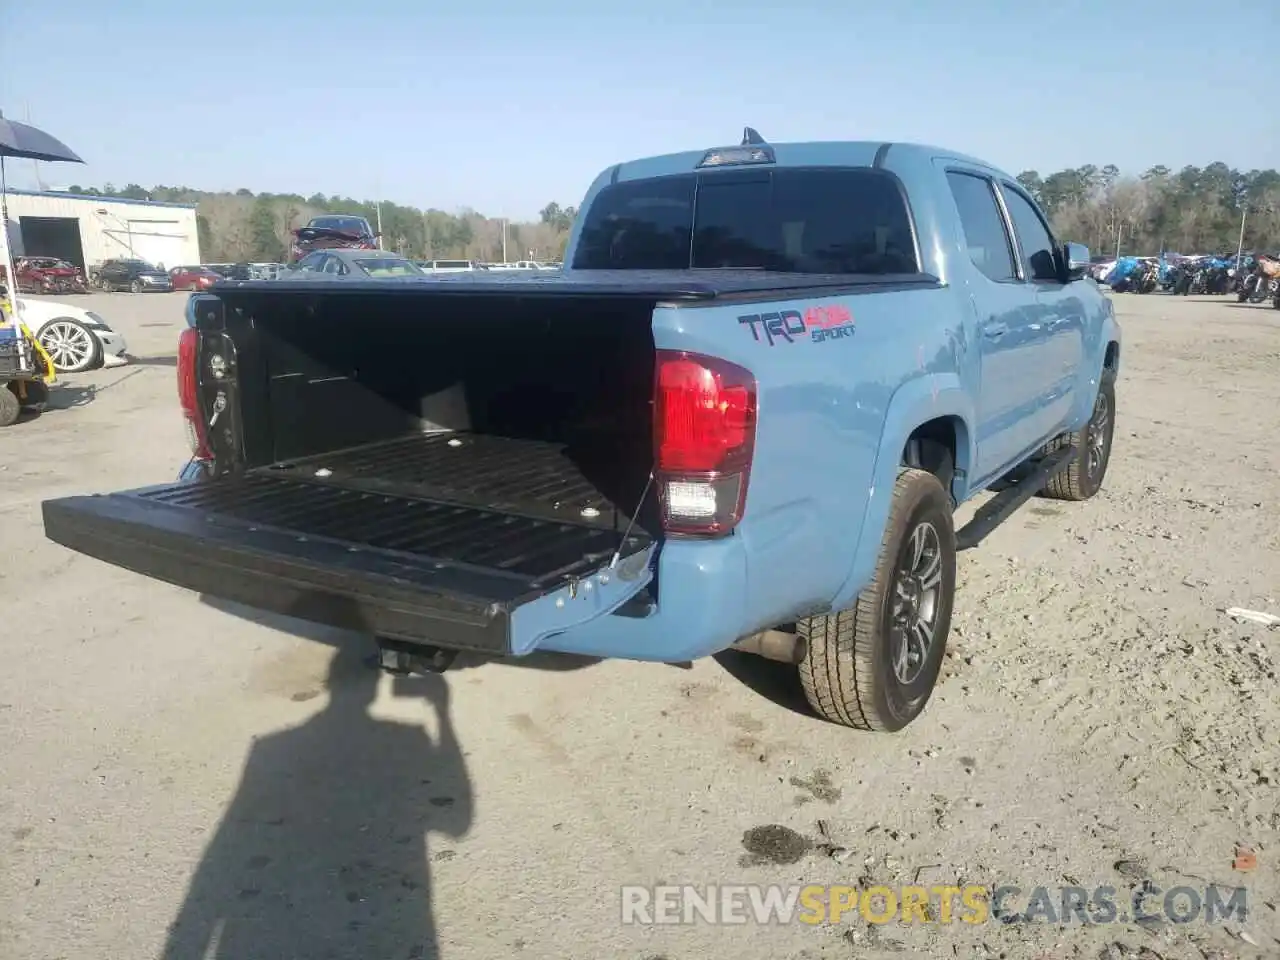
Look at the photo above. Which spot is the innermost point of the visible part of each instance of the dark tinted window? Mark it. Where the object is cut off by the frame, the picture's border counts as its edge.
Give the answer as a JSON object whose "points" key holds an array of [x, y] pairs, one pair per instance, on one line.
{"points": [[795, 221], [984, 229], [1038, 260], [639, 225], [349, 224]]}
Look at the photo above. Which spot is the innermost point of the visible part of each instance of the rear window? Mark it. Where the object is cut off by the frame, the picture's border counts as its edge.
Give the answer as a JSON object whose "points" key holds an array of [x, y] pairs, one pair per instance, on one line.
{"points": [[788, 220], [387, 267], [349, 224]]}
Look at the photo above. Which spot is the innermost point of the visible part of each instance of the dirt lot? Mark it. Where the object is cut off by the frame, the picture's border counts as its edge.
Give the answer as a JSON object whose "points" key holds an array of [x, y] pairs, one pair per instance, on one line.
{"points": [[177, 778]]}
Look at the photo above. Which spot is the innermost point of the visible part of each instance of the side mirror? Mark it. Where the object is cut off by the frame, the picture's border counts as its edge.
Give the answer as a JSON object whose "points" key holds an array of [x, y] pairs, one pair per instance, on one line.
{"points": [[1076, 258]]}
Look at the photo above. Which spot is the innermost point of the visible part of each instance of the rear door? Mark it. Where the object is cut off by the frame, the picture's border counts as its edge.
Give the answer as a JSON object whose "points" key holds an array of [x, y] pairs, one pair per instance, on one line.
{"points": [[1058, 326], [1006, 340]]}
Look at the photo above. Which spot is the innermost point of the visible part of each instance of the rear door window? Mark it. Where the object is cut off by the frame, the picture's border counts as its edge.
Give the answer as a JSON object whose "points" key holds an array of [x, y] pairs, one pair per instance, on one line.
{"points": [[1038, 261], [985, 234], [811, 221]]}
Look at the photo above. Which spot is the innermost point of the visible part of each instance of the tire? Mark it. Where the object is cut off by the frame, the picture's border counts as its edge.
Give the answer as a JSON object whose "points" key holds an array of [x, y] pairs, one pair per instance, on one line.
{"points": [[848, 671], [71, 345], [1084, 475], [10, 408], [136, 286]]}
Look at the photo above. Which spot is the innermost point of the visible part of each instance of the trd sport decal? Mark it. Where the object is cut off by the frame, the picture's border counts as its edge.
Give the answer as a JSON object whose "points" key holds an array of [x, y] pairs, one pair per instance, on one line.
{"points": [[832, 322]]}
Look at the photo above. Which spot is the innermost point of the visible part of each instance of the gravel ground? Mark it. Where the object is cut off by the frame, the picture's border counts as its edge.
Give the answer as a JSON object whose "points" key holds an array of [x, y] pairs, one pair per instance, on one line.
{"points": [[175, 775]]}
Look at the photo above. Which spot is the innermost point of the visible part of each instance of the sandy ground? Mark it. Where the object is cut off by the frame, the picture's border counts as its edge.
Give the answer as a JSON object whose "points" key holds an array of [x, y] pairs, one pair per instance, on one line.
{"points": [[179, 780]]}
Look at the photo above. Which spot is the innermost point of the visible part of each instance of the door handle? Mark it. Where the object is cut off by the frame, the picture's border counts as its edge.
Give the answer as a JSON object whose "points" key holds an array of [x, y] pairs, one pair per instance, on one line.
{"points": [[994, 331]]}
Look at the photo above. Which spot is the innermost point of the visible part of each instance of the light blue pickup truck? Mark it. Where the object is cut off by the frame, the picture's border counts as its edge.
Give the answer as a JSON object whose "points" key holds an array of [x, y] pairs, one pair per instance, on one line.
{"points": [[742, 416]]}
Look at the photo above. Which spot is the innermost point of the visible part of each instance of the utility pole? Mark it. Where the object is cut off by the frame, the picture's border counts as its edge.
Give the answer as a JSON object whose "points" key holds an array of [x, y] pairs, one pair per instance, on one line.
{"points": [[1244, 210], [35, 163], [378, 207]]}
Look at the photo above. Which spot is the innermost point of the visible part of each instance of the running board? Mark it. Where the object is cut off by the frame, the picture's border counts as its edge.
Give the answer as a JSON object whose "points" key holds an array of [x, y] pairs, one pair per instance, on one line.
{"points": [[1005, 503]]}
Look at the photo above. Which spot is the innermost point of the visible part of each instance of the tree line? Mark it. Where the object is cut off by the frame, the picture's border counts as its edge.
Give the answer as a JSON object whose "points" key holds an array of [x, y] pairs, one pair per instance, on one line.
{"points": [[244, 226], [1195, 210]]}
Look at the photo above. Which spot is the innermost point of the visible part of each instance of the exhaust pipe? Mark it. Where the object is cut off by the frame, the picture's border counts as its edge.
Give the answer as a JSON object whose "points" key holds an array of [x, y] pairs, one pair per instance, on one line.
{"points": [[776, 645]]}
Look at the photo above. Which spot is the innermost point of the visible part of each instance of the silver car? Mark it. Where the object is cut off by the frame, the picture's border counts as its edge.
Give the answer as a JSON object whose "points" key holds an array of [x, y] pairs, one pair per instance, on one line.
{"points": [[353, 264]]}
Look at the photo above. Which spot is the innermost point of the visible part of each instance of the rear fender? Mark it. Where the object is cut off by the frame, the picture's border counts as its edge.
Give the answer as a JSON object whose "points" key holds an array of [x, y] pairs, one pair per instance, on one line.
{"points": [[914, 403]]}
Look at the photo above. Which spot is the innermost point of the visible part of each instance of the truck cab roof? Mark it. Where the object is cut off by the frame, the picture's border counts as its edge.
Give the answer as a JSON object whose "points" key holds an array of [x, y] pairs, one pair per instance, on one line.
{"points": [[848, 153]]}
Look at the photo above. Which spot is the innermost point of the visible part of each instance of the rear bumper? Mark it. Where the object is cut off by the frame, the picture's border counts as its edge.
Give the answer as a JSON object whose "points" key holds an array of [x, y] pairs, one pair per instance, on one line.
{"points": [[114, 348], [699, 609]]}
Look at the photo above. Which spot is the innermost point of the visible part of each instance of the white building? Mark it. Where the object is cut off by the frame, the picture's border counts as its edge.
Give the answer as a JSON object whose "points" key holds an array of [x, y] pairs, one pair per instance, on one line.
{"points": [[87, 230]]}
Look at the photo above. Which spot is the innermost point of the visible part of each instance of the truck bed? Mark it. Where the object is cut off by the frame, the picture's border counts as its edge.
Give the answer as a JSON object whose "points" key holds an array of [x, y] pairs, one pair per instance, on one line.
{"points": [[530, 478]]}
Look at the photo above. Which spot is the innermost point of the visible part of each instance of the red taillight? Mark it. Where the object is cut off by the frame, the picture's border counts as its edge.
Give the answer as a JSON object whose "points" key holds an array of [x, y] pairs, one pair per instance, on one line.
{"points": [[704, 438], [189, 392]]}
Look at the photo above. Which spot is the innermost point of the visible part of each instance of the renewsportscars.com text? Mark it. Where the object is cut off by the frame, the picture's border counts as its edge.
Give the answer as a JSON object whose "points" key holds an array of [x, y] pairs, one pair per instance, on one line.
{"points": [[969, 904]]}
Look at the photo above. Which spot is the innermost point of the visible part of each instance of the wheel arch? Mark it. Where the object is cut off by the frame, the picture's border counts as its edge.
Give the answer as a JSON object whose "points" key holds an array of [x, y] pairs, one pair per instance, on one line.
{"points": [[933, 403]]}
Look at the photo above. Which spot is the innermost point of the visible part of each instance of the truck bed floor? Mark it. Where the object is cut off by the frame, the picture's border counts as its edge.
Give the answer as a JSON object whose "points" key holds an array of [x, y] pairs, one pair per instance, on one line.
{"points": [[527, 477]]}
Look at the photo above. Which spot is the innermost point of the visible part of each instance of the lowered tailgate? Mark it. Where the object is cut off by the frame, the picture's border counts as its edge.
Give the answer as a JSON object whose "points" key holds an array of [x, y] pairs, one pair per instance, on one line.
{"points": [[410, 569]]}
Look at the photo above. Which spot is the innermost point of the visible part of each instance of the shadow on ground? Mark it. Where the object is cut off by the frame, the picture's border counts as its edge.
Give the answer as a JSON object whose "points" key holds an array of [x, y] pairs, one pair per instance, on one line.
{"points": [[171, 361], [324, 849], [767, 678]]}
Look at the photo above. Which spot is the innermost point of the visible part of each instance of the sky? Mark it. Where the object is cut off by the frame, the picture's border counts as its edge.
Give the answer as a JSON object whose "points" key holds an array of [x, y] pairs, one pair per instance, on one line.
{"points": [[503, 107]]}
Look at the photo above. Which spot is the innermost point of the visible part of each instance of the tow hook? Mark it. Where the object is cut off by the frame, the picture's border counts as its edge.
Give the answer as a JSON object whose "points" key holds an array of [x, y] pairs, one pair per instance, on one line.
{"points": [[401, 659]]}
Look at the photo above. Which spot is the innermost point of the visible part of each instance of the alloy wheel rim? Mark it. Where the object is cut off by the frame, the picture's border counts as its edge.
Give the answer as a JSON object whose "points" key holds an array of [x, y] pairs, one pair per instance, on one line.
{"points": [[1097, 435], [916, 600], [68, 345]]}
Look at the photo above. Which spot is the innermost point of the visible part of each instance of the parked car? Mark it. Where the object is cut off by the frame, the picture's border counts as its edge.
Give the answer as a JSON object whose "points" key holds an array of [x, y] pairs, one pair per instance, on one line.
{"points": [[451, 266], [75, 339], [355, 264], [332, 232], [137, 276], [742, 416], [193, 278], [45, 275]]}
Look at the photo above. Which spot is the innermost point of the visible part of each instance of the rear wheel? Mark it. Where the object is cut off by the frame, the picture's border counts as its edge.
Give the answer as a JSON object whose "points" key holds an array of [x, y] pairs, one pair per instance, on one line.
{"points": [[874, 666], [1083, 476]]}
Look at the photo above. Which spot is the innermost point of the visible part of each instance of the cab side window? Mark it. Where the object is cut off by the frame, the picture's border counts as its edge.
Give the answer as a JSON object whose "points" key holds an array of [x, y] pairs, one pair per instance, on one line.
{"points": [[984, 228], [1038, 260]]}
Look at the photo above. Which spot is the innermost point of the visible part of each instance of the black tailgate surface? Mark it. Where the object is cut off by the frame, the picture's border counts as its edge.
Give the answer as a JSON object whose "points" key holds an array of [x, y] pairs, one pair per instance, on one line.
{"points": [[393, 566]]}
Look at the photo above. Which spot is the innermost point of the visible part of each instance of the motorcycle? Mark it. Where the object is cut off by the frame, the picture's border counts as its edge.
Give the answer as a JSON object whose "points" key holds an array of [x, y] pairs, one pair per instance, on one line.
{"points": [[1216, 277], [1257, 287], [1123, 276], [1146, 277], [1184, 276]]}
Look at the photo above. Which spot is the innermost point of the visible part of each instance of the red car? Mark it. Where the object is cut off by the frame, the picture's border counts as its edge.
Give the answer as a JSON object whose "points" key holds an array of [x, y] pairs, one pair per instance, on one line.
{"points": [[193, 278], [46, 275], [332, 230]]}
